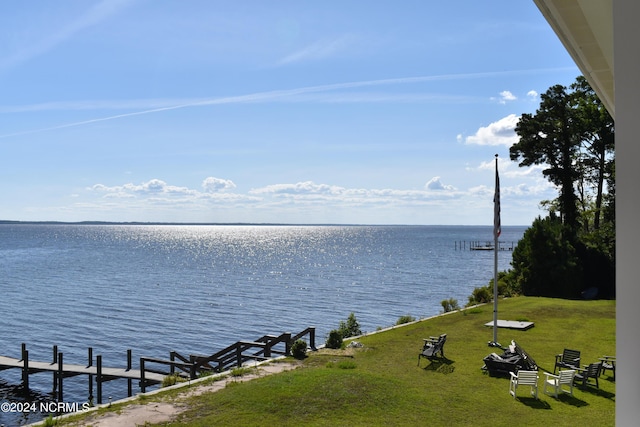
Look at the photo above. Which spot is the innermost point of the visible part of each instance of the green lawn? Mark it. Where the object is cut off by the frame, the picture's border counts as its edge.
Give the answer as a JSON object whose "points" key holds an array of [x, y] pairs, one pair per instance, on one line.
{"points": [[381, 384]]}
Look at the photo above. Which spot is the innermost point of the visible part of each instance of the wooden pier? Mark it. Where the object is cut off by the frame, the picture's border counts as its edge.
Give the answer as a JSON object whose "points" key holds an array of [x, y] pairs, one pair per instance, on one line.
{"points": [[62, 370], [478, 245], [191, 366]]}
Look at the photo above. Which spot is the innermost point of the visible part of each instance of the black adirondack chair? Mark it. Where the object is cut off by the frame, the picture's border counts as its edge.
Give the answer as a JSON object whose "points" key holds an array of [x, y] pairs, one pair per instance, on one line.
{"points": [[432, 346], [569, 359], [584, 376]]}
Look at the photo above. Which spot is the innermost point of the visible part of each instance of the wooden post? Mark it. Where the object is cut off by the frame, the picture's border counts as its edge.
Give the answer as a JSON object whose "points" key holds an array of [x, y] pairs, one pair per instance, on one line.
{"points": [[55, 374], [312, 338], [267, 348], [172, 357], [238, 355], [129, 387], [99, 378], [287, 344], [192, 371], [90, 360], [25, 369], [60, 376], [143, 385]]}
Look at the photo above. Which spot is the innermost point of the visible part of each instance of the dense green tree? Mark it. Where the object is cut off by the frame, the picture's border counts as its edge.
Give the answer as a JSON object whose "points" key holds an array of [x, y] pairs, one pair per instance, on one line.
{"points": [[573, 135], [552, 136], [596, 157], [546, 263]]}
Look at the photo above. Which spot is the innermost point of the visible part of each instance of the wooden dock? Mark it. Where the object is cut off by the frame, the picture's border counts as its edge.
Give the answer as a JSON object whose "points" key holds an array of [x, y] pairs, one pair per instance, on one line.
{"points": [[61, 370], [477, 245], [191, 366], [72, 370]]}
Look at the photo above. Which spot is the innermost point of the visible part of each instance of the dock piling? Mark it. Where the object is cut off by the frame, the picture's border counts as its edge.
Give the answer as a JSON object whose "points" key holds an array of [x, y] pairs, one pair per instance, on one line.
{"points": [[25, 369], [90, 379], [60, 376], [129, 380], [99, 378]]}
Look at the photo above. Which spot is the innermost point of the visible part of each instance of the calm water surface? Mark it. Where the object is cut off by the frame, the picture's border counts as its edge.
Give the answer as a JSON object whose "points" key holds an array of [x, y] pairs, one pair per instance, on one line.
{"points": [[197, 289]]}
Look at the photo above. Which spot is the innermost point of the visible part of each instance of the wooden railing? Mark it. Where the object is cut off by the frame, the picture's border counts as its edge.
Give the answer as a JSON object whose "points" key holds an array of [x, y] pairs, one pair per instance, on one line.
{"points": [[190, 367], [172, 363], [235, 355]]}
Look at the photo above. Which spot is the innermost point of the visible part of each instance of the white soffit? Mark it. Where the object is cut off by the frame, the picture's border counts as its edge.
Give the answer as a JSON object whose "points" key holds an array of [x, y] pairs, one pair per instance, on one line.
{"points": [[585, 28]]}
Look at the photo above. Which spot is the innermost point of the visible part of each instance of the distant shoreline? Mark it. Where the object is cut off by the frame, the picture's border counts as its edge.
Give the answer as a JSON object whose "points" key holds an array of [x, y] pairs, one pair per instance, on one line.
{"points": [[17, 222]]}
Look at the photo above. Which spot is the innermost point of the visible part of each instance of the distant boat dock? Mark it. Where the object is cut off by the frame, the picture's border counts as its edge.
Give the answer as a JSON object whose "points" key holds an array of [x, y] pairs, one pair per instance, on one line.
{"points": [[188, 367], [479, 245]]}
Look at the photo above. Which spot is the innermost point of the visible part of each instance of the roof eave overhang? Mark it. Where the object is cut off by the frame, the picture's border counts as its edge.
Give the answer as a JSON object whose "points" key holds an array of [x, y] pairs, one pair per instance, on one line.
{"points": [[585, 28]]}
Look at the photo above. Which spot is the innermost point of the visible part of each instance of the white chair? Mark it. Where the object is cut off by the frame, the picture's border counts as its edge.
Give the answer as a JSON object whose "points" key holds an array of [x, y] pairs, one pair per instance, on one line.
{"points": [[555, 382], [529, 378]]}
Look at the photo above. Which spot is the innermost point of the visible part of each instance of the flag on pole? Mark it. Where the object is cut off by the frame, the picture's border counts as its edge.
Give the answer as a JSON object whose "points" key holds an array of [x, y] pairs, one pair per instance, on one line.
{"points": [[496, 243], [496, 205]]}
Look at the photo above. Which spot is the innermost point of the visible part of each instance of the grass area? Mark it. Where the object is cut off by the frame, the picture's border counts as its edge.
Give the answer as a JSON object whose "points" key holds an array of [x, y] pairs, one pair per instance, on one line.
{"points": [[381, 384]]}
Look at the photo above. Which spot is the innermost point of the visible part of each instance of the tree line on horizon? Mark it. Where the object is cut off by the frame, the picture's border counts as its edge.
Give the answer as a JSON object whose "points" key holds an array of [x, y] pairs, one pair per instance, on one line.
{"points": [[569, 252]]}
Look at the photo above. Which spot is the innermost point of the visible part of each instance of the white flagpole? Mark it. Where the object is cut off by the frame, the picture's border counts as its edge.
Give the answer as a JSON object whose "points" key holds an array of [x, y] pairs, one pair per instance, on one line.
{"points": [[496, 234]]}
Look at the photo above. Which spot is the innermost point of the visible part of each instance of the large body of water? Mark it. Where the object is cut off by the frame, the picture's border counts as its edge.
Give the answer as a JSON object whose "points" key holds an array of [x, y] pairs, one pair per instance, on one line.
{"points": [[198, 289]]}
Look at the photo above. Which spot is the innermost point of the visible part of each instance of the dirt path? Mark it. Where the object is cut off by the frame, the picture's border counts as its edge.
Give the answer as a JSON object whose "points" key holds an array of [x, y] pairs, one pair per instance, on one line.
{"points": [[137, 414]]}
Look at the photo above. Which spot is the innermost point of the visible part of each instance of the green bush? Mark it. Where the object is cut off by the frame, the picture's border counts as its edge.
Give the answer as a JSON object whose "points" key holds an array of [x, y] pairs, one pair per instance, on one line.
{"points": [[350, 328], [334, 340], [299, 349], [405, 319], [450, 305], [481, 296], [170, 380]]}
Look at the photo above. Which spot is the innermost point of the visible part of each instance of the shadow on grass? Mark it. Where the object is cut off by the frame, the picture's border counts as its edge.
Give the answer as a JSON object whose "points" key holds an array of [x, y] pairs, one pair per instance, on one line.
{"points": [[443, 366], [572, 400], [534, 403], [598, 392]]}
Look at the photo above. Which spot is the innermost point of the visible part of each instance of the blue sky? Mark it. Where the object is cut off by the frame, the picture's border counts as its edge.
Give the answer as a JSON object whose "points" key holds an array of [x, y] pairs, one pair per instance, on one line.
{"points": [[284, 111]]}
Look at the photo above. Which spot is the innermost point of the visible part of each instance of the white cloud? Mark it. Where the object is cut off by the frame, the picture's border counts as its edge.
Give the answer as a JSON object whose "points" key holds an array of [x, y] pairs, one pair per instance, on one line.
{"points": [[435, 184], [157, 200], [505, 96], [533, 95], [151, 187], [501, 132], [214, 185], [307, 187]]}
